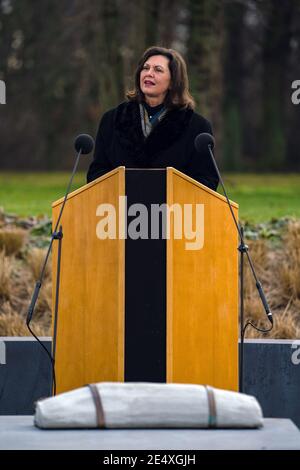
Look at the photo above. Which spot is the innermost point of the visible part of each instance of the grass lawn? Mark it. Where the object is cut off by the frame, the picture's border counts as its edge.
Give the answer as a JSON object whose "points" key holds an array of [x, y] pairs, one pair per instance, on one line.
{"points": [[33, 193], [261, 197]]}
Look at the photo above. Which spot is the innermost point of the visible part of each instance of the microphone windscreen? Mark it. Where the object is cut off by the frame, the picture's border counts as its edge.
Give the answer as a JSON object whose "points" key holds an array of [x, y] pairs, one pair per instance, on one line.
{"points": [[85, 143], [202, 141]]}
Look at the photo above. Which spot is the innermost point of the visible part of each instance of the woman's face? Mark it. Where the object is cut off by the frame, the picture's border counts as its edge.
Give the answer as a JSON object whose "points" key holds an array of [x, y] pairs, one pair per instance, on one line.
{"points": [[155, 77]]}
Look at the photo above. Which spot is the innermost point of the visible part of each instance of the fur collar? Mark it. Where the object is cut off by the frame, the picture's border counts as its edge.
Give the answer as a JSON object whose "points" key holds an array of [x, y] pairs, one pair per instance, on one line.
{"points": [[164, 134]]}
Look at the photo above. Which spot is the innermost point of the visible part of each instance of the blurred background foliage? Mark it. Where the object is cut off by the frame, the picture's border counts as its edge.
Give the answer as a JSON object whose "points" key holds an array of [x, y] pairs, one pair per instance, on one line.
{"points": [[65, 62]]}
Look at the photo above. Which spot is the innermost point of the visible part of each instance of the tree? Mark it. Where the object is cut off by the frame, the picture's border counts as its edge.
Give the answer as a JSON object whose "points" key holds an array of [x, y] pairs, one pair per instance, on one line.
{"points": [[204, 51], [276, 51], [233, 84]]}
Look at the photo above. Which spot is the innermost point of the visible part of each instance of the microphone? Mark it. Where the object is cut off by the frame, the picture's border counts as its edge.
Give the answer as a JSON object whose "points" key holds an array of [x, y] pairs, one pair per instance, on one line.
{"points": [[84, 143], [206, 141], [202, 141]]}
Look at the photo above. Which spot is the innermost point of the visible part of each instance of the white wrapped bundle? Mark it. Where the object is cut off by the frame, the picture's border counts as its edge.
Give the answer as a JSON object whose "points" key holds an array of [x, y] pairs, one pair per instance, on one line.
{"points": [[148, 405]]}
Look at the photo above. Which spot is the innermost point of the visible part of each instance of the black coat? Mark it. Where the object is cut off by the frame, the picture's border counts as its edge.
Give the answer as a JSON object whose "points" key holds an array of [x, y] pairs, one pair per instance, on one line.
{"points": [[120, 142]]}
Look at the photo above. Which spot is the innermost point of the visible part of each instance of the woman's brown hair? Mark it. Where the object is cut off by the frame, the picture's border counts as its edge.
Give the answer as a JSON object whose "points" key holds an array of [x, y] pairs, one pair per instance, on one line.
{"points": [[178, 96]]}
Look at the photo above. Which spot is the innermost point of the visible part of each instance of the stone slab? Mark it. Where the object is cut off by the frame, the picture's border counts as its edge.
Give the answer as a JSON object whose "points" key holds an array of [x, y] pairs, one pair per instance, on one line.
{"points": [[19, 433]]}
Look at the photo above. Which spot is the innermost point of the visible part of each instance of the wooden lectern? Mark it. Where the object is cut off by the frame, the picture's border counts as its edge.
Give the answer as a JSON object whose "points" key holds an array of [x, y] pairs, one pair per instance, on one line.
{"points": [[146, 309]]}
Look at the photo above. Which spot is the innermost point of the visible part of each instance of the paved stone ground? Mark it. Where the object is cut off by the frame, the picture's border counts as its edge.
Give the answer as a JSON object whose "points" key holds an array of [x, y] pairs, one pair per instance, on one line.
{"points": [[18, 432]]}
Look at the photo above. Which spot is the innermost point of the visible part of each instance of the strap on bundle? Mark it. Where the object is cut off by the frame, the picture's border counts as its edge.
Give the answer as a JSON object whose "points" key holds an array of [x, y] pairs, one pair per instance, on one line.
{"points": [[212, 410], [98, 405]]}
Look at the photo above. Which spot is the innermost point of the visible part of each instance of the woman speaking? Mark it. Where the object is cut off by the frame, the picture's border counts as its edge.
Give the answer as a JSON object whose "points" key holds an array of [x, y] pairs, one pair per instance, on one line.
{"points": [[156, 126]]}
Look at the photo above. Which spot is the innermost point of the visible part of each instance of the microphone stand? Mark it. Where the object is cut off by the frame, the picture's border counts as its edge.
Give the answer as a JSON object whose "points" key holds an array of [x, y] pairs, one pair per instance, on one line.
{"points": [[56, 235], [243, 249]]}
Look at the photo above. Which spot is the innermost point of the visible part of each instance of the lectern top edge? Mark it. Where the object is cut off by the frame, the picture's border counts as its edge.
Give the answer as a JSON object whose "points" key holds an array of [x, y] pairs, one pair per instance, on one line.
{"points": [[89, 185], [202, 186], [122, 169]]}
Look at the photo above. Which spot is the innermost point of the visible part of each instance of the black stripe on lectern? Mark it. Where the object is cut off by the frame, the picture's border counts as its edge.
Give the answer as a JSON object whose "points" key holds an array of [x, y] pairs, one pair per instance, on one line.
{"points": [[145, 285]]}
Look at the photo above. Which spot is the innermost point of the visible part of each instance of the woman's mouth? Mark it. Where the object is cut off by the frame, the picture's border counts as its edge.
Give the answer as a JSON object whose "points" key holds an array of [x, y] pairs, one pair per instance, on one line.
{"points": [[149, 83]]}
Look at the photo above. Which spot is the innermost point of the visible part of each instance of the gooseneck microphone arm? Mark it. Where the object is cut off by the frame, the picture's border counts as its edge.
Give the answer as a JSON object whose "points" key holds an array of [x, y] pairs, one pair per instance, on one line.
{"points": [[257, 282], [39, 282], [83, 145], [202, 142]]}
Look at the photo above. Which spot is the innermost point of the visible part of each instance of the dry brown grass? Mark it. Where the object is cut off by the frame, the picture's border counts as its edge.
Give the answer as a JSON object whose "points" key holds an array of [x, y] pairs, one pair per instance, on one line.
{"points": [[278, 268], [35, 261], [289, 266], [16, 288], [253, 309], [13, 324], [285, 327], [12, 241], [297, 305], [6, 269], [279, 271]]}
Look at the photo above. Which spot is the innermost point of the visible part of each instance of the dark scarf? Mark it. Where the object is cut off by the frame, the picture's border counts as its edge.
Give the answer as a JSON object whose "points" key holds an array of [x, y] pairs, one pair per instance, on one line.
{"points": [[152, 110], [163, 135]]}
